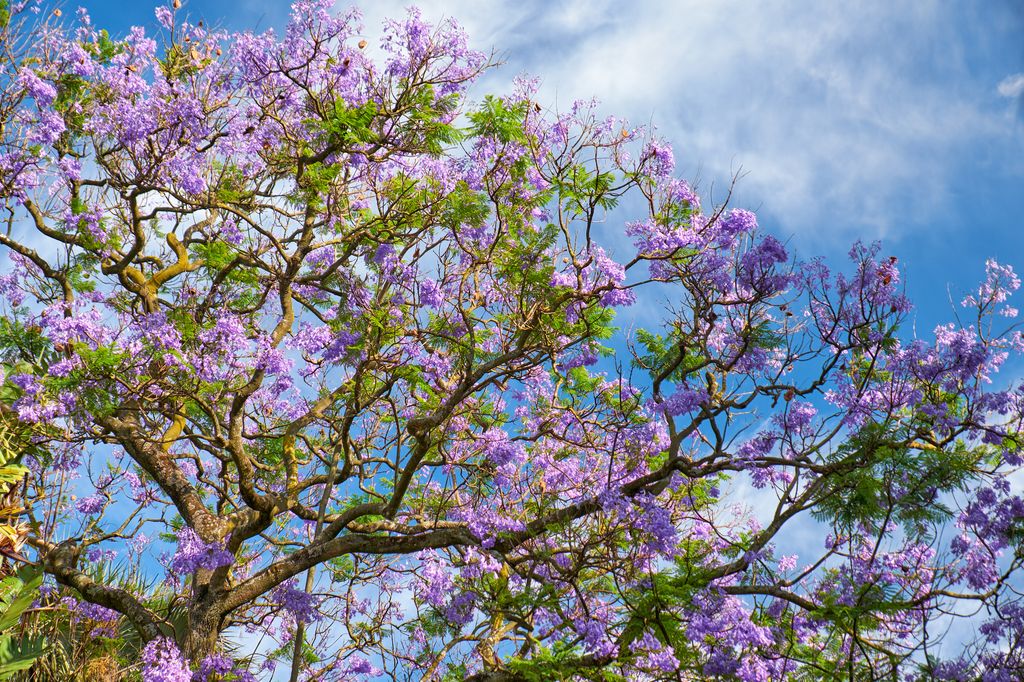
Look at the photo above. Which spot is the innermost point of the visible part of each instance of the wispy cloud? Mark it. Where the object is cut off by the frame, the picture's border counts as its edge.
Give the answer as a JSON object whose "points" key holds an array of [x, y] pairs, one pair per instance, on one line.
{"points": [[837, 112], [1011, 86]]}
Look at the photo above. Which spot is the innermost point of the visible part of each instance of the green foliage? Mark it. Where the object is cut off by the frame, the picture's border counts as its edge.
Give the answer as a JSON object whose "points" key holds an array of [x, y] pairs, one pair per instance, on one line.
{"points": [[104, 49], [80, 279], [671, 354], [14, 440], [315, 183], [496, 119], [71, 91], [216, 254], [549, 664], [873, 463], [464, 206], [81, 649], [676, 213], [17, 592], [181, 61], [349, 126], [386, 430], [232, 188], [429, 120], [456, 673], [583, 190], [220, 258], [22, 346]]}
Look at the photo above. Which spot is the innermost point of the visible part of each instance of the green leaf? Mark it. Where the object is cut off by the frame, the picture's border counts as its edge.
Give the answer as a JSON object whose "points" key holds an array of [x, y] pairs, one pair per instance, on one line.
{"points": [[17, 655], [30, 578]]}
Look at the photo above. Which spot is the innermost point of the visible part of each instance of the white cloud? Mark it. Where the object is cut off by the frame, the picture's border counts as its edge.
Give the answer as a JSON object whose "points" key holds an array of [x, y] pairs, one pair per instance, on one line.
{"points": [[1012, 86], [846, 118]]}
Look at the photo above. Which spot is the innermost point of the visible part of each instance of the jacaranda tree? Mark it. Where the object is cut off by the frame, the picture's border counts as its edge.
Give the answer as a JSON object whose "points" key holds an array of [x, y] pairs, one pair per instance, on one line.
{"points": [[314, 362]]}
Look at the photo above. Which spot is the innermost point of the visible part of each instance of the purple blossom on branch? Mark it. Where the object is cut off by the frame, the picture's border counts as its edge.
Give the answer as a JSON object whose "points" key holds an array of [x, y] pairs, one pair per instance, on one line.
{"points": [[90, 505], [162, 661], [193, 554], [301, 605]]}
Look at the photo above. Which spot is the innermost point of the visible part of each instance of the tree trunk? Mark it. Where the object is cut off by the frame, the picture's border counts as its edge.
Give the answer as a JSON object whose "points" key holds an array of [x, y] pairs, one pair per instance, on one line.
{"points": [[203, 632]]}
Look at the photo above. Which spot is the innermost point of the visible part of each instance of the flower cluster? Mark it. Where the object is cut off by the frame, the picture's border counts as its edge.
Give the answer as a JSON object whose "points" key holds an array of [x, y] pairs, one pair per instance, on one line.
{"points": [[162, 661], [193, 554], [300, 604]]}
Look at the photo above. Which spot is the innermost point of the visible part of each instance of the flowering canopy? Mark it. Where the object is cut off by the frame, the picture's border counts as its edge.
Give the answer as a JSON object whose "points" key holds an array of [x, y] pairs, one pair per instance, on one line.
{"points": [[343, 344]]}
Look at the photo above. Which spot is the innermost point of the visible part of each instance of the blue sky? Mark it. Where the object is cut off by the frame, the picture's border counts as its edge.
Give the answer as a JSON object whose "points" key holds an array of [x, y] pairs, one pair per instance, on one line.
{"points": [[874, 120]]}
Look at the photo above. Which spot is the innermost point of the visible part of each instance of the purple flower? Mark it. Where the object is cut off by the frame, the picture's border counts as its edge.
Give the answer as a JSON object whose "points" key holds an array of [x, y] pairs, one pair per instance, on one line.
{"points": [[738, 221], [310, 339], [194, 554], [618, 298], [216, 667], [460, 610], [41, 91], [500, 449], [757, 269], [656, 656], [301, 605], [435, 583], [657, 522], [48, 128], [165, 17], [430, 293], [594, 636], [272, 360], [797, 417], [162, 661], [230, 233], [11, 288], [662, 161], [90, 505], [1000, 282], [139, 542], [684, 400], [339, 347], [157, 330], [97, 612], [360, 666], [95, 554]]}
